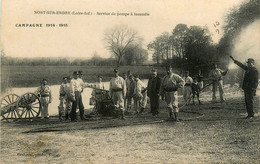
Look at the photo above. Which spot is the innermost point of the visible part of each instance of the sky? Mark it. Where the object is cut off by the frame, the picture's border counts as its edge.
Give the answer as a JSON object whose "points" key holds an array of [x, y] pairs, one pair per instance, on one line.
{"points": [[84, 34]]}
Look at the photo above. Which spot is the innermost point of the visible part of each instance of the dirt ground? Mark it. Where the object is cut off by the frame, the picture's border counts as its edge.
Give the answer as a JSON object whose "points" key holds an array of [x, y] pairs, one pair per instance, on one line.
{"points": [[209, 133]]}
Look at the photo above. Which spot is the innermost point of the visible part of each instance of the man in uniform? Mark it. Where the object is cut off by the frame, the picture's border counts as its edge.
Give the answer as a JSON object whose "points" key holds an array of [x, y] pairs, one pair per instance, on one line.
{"points": [[62, 97], [77, 88], [187, 88], [250, 84], [130, 92], [128, 83], [140, 95], [68, 89], [216, 75], [170, 84], [45, 95], [153, 90], [117, 90], [199, 77]]}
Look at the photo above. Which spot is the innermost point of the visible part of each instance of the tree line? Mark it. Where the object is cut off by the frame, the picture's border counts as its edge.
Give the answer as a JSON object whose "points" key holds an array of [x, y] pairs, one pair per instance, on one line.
{"points": [[96, 60]]}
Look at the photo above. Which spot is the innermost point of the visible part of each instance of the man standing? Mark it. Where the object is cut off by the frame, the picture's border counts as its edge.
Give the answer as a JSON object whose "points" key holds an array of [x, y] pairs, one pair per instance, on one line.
{"points": [[130, 92], [117, 90], [140, 95], [153, 90], [68, 88], [199, 77], [127, 83], [170, 84], [44, 93], [62, 97], [216, 76], [77, 88], [187, 88], [250, 84]]}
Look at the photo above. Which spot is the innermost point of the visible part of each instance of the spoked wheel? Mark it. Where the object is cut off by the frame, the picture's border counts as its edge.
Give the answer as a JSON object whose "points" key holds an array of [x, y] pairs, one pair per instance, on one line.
{"points": [[29, 106], [8, 107]]}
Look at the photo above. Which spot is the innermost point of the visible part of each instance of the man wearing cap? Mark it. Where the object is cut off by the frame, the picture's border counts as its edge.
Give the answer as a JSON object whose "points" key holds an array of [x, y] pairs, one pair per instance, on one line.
{"points": [[153, 90], [169, 88], [187, 88], [249, 85], [216, 75], [117, 90], [45, 95], [77, 88]]}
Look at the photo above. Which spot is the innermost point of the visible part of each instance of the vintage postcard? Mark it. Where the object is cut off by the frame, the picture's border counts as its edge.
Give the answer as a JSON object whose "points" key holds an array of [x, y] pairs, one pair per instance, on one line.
{"points": [[140, 81]]}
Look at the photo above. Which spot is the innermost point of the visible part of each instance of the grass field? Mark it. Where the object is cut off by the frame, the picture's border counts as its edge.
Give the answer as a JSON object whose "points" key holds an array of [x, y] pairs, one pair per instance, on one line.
{"points": [[217, 135], [30, 76]]}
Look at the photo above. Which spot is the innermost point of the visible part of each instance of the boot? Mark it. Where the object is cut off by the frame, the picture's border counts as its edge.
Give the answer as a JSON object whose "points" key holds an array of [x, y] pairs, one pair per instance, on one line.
{"points": [[176, 114]]}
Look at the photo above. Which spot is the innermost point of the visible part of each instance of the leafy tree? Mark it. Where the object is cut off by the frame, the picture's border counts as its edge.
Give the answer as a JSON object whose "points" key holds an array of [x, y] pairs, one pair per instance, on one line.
{"points": [[160, 47], [135, 54], [177, 39]]}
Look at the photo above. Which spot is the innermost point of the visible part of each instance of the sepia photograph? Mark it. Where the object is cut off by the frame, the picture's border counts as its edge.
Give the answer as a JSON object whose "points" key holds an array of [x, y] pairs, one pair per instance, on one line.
{"points": [[140, 81]]}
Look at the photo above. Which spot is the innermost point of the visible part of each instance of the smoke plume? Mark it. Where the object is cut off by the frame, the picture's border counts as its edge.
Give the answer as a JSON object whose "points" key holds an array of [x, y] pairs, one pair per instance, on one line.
{"points": [[247, 44]]}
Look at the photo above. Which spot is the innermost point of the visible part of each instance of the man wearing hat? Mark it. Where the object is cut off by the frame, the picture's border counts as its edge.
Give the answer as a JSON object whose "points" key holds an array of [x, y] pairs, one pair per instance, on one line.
{"points": [[45, 95], [153, 90], [77, 88], [117, 90], [216, 75], [169, 88], [250, 84]]}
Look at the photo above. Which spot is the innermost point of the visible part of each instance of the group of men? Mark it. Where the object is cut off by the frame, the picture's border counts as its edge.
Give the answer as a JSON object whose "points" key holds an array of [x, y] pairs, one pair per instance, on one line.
{"points": [[123, 89], [71, 96]]}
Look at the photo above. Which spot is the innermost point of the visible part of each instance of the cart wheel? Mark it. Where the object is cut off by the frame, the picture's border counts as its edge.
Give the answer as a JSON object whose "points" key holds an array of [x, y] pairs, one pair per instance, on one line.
{"points": [[8, 108], [29, 106]]}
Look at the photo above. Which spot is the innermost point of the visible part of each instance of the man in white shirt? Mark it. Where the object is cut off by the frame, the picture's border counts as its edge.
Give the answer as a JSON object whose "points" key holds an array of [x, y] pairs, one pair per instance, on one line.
{"points": [[169, 88], [44, 92], [77, 88], [216, 75], [140, 95], [117, 90]]}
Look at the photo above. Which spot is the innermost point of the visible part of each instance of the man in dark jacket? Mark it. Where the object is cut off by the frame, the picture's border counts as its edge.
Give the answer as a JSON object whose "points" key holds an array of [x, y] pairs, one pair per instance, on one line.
{"points": [[250, 84], [153, 90]]}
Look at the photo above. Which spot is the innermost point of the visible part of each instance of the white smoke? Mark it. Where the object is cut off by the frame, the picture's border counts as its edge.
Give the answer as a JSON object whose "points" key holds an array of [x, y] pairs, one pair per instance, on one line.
{"points": [[247, 44]]}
